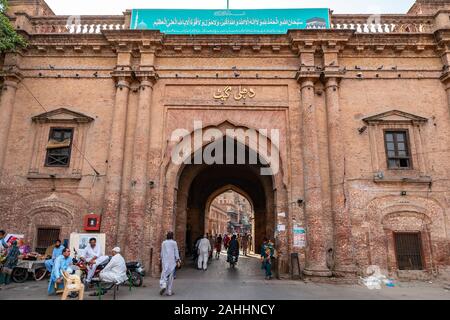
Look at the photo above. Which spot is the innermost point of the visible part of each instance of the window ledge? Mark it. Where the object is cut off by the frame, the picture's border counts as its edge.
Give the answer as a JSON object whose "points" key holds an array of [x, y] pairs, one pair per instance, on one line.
{"points": [[32, 176], [425, 180], [421, 275]]}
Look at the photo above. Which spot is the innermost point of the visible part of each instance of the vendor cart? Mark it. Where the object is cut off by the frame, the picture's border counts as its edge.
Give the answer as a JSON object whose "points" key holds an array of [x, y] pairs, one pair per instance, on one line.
{"points": [[25, 267]]}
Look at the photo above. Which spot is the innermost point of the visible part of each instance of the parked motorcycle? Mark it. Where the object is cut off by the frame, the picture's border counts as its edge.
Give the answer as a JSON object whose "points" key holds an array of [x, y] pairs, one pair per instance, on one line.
{"points": [[82, 264], [135, 271]]}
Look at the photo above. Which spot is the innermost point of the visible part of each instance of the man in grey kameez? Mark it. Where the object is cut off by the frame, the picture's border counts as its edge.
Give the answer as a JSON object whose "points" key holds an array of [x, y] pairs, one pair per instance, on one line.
{"points": [[169, 258]]}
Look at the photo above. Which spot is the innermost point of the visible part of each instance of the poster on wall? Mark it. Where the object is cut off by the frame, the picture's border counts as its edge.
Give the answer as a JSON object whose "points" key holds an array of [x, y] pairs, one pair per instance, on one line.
{"points": [[80, 241], [299, 237], [10, 238]]}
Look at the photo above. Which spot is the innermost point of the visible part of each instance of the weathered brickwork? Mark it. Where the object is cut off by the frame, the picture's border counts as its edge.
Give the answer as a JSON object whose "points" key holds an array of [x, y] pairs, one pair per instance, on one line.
{"points": [[331, 94]]}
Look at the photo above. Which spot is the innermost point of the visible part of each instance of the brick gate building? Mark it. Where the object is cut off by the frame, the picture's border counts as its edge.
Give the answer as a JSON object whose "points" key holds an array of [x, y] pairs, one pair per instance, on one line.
{"points": [[88, 108]]}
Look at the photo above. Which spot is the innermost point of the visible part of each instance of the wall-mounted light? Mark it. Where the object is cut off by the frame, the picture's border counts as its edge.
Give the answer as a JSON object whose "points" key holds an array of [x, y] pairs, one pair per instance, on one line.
{"points": [[300, 202], [151, 184], [403, 193]]}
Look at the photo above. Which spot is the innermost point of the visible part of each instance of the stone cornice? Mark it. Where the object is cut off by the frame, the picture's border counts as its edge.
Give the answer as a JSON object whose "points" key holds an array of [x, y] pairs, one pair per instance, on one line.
{"points": [[146, 77], [123, 76], [293, 42], [311, 39], [11, 74], [136, 38]]}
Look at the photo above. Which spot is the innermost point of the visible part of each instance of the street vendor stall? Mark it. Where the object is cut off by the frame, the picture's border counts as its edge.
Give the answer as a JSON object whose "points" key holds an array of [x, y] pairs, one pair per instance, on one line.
{"points": [[25, 267]]}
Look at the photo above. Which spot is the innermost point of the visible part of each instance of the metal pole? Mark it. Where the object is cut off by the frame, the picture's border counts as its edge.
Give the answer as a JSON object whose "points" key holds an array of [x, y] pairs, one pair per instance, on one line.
{"points": [[228, 4]]}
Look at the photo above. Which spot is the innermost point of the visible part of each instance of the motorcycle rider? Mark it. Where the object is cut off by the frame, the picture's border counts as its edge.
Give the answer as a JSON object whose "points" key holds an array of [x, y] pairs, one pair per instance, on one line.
{"points": [[233, 249], [93, 256]]}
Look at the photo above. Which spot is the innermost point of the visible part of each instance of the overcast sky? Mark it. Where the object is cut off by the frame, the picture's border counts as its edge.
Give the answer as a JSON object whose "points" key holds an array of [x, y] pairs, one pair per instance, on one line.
{"points": [[80, 7]]}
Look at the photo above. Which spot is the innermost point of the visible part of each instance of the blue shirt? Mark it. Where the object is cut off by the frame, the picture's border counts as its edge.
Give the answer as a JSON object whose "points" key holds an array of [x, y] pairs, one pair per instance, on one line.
{"points": [[3, 242], [61, 264], [57, 252]]}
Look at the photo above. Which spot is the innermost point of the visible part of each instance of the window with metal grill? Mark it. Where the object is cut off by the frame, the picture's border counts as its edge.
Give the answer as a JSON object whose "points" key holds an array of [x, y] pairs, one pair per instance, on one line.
{"points": [[59, 147], [45, 238], [397, 149], [408, 250]]}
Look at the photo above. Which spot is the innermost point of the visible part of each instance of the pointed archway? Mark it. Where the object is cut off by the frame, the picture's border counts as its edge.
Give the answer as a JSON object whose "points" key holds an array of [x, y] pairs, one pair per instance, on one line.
{"points": [[187, 187], [200, 183]]}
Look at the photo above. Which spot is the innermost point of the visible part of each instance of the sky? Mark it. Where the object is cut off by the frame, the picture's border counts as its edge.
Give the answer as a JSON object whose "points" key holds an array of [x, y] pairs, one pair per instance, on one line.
{"points": [[97, 7]]}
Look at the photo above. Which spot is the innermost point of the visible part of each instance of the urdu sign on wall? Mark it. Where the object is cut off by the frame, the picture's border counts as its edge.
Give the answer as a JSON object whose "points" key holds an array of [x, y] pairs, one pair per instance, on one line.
{"points": [[262, 21]]}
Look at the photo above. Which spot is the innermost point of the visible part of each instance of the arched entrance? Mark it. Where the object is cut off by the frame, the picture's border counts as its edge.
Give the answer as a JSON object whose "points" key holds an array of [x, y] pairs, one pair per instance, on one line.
{"points": [[199, 184], [188, 186]]}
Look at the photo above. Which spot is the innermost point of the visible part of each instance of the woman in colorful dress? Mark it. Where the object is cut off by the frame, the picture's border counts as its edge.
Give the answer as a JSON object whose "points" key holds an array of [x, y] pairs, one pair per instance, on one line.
{"points": [[11, 261]]}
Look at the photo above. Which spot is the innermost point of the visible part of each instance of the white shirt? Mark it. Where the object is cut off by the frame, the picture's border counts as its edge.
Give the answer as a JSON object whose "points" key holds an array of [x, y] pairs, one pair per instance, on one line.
{"points": [[92, 252], [204, 246], [169, 255], [117, 265], [115, 270]]}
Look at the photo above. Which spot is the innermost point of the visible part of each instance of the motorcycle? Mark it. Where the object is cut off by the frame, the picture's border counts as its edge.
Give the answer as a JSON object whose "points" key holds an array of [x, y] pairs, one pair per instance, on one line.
{"points": [[82, 265], [233, 261], [135, 271]]}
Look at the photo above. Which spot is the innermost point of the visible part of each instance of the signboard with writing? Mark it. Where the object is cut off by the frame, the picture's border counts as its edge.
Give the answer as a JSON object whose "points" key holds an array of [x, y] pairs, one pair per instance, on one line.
{"points": [[299, 237], [262, 21]]}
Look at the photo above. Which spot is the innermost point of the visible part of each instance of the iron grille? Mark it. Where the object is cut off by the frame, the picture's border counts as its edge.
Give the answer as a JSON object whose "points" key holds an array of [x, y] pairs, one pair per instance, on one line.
{"points": [[45, 238], [409, 251]]}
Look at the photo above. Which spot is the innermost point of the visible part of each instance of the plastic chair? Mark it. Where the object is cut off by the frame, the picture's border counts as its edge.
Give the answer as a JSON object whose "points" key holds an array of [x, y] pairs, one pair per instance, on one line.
{"points": [[72, 283]]}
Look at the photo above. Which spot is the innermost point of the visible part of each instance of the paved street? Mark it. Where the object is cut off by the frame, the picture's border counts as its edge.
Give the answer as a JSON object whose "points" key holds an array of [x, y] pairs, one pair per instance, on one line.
{"points": [[245, 282]]}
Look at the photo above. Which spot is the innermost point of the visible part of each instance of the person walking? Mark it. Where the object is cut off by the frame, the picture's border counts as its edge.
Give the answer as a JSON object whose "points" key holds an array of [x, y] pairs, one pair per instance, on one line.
{"points": [[218, 246], [170, 258], [211, 243], [267, 251], [226, 240], [233, 249], [204, 247], [244, 243], [195, 250]]}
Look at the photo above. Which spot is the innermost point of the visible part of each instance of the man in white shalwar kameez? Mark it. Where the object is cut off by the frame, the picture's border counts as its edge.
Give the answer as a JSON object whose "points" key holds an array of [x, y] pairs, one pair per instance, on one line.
{"points": [[93, 256], [169, 258], [204, 247], [116, 269]]}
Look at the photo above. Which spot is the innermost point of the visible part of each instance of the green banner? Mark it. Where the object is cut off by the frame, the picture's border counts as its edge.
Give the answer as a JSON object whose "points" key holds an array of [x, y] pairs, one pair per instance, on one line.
{"points": [[263, 21]]}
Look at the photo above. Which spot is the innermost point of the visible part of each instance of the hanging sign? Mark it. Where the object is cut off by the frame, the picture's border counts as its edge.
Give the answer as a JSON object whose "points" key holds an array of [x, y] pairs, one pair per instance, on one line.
{"points": [[260, 21]]}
